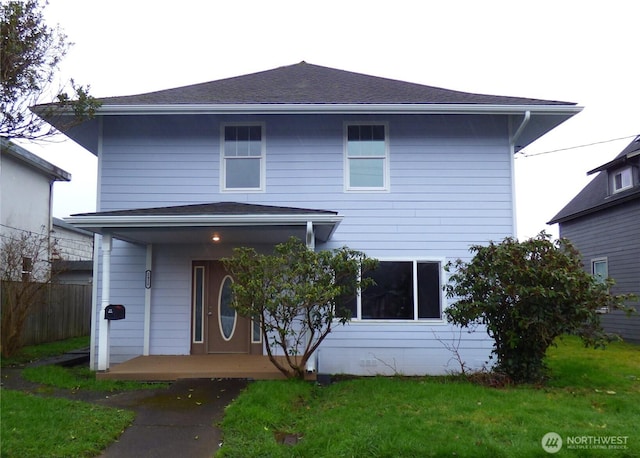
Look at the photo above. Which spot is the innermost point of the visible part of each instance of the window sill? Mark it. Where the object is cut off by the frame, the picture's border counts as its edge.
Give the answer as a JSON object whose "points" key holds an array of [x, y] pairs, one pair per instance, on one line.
{"points": [[421, 321]]}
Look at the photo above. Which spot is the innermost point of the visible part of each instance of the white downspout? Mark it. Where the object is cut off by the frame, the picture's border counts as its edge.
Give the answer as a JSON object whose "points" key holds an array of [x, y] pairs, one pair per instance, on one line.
{"points": [[523, 124], [512, 147], [103, 346]]}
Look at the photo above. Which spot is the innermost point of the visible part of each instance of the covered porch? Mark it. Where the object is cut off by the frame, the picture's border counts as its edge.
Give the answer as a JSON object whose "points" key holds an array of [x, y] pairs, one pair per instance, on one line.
{"points": [[223, 225], [171, 368]]}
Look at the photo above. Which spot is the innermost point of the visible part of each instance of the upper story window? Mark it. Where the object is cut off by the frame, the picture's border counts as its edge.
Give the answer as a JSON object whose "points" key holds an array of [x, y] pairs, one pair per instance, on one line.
{"points": [[243, 158], [622, 179], [366, 157]]}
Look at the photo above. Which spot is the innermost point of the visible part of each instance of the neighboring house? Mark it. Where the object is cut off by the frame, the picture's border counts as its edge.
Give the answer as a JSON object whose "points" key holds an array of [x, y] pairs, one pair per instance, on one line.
{"points": [[603, 222], [410, 174], [26, 193], [73, 255]]}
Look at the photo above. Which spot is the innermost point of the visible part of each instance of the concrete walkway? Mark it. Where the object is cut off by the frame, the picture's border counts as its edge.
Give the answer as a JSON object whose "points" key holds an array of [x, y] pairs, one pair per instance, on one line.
{"points": [[178, 421]]}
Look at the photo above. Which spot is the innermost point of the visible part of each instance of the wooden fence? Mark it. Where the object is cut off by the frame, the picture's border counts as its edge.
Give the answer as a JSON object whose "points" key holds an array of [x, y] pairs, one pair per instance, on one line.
{"points": [[63, 312]]}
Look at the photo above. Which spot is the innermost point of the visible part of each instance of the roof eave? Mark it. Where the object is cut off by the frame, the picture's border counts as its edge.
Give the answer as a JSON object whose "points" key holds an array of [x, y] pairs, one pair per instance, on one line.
{"points": [[163, 221], [36, 162], [334, 108], [326, 224], [617, 200], [620, 161]]}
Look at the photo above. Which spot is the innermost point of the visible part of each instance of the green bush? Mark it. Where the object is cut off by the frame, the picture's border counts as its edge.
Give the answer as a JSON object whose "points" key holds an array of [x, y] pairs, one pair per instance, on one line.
{"points": [[527, 294]]}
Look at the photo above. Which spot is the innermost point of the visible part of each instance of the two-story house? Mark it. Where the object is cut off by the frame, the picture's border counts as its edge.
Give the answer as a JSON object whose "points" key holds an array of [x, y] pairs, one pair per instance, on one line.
{"points": [[26, 196], [603, 222], [409, 174]]}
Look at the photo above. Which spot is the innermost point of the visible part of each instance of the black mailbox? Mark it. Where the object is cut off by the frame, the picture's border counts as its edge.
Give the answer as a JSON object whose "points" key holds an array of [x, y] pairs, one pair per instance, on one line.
{"points": [[114, 312]]}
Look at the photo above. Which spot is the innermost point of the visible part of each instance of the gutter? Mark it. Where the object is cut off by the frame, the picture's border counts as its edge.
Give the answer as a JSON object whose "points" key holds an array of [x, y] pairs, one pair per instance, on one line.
{"points": [[147, 221], [337, 108]]}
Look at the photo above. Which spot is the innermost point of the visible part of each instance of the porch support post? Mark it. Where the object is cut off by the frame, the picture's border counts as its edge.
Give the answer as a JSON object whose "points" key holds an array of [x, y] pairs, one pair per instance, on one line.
{"points": [[311, 245], [311, 237], [103, 341], [147, 301]]}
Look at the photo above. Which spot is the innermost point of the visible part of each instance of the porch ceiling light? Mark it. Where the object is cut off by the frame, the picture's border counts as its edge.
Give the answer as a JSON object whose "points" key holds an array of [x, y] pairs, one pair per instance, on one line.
{"points": [[215, 238]]}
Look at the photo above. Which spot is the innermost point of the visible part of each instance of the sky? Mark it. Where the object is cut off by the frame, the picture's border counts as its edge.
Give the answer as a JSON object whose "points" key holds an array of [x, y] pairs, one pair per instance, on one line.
{"points": [[575, 51]]}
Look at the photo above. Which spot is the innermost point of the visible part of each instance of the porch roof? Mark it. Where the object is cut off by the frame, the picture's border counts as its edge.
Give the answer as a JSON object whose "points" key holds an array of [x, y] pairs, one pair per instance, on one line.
{"points": [[233, 222]]}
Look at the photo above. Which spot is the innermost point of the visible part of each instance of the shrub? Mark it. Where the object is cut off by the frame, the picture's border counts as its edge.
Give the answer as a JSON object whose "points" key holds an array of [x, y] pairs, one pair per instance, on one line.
{"points": [[527, 294]]}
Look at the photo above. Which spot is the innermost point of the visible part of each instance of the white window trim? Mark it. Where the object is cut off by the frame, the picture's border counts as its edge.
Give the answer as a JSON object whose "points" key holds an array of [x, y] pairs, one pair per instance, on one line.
{"points": [[606, 262], [193, 305], [386, 169], [263, 159], [600, 259], [629, 170], [442, 261], [254, 321]]}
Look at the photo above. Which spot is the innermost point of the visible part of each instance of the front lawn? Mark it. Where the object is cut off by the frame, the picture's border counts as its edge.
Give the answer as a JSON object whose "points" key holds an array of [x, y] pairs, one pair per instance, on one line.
{"points": [[33, 426], [592, 394], [41, 351], [36, 426]]}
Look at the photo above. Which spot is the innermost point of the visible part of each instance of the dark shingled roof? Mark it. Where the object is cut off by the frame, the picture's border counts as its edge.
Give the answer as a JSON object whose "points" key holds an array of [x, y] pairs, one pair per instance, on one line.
{"points": [[595, 196], [305, 83], [216, 208]]}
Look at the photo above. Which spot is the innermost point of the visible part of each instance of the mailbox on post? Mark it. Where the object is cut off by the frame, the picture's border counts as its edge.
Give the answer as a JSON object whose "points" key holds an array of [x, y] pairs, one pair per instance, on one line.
{"points": [[114, 312]]}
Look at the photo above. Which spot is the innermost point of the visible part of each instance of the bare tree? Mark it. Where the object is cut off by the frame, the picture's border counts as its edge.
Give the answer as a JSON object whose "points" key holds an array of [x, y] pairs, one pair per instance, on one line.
{"points": [[25, 272]]}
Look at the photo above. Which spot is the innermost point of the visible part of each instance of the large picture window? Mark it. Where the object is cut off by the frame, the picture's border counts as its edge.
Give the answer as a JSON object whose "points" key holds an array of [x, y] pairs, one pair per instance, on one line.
{"points": [[366, 160], [243, 158], [403, 290]]}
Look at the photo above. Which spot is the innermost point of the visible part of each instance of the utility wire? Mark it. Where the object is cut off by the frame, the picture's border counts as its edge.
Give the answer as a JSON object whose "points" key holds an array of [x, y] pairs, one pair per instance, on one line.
{"points": [[523, 154]]}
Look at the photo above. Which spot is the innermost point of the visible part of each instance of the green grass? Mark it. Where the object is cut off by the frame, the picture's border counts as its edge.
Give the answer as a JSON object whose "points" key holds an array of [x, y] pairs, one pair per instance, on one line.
{"points": [[34, 426], [81, 378], [50, 427], [42, 351], [591, 393]]}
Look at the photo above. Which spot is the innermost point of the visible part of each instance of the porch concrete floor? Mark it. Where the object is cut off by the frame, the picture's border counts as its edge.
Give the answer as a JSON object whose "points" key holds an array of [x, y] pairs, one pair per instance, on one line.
{"points": [[171, 368]]}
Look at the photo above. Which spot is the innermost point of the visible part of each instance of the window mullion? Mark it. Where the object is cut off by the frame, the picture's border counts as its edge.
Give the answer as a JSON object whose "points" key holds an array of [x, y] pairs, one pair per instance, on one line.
{"points": [[415, 290]]}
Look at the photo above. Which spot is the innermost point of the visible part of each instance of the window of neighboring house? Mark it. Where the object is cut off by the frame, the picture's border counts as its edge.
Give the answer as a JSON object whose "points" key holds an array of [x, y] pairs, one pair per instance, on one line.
{"points": [[366, 157], [243, 158], [600, 270], [622, 179], [27, 268], [403, 290]]}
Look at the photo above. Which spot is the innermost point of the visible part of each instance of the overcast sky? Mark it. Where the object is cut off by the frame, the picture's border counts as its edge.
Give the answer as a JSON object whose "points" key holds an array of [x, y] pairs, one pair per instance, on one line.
{"points": [[575, 51]]}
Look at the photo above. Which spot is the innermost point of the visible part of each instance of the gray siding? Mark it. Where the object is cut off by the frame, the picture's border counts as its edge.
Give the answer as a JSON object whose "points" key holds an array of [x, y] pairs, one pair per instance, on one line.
{"points": [[613, 234], [450, 187]]}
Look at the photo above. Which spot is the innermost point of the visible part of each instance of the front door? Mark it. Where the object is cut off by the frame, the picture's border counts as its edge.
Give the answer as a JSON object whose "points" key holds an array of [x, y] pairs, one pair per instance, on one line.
{"points": [[217, 326]]}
